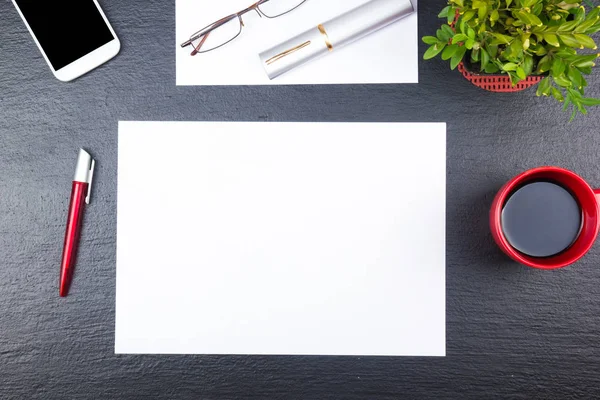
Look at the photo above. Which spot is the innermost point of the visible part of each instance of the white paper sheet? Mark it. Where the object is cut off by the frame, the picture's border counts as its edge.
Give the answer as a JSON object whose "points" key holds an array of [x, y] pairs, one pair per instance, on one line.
{"points": [[387, 56], [281, 238]]}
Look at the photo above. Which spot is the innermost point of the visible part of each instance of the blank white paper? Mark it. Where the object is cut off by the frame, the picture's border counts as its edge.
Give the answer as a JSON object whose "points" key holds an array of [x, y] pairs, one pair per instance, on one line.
{"points": [[281, 238], [389, 55]]}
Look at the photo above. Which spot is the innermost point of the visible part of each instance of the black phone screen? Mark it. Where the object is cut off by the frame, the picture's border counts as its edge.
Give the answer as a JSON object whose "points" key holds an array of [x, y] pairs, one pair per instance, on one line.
{"points": [[66, 29]]}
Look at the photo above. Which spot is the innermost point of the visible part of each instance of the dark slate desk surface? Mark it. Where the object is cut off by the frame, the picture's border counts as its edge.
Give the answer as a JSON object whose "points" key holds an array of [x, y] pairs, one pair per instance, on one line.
{"points": [[512, 332]]}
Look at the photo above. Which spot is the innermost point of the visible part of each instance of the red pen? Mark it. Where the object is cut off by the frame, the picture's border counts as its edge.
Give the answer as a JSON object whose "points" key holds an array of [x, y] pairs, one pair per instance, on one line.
{"points": [[80, 195]]}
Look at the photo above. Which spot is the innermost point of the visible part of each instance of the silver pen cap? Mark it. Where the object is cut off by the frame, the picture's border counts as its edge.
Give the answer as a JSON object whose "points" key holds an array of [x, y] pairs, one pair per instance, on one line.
{"points": [[84, 171]]}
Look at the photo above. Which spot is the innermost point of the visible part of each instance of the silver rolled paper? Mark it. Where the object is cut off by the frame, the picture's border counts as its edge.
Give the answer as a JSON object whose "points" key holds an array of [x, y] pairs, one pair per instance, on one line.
{"points": [[325, 38]]}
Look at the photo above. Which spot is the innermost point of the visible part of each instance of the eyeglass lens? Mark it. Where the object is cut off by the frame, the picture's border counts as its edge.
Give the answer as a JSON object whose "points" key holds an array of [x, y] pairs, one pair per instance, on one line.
{"points": [[223, 32], [276, 8]]}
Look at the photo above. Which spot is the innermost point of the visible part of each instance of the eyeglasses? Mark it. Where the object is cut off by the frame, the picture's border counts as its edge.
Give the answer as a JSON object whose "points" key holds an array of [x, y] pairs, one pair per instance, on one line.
{"points": [[223, 31]]}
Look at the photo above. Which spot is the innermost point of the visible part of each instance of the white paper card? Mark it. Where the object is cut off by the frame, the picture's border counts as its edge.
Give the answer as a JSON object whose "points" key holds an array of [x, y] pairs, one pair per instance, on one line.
{"points": [[281, 238], [387, 56]]}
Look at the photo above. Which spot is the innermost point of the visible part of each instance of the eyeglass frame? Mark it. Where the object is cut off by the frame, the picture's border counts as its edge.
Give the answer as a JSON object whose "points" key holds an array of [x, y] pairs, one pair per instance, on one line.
{"points": [[211, 27]]}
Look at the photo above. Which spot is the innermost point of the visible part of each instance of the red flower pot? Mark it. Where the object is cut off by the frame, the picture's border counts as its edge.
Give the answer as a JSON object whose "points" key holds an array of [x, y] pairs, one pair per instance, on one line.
{"points": [[497, 83]]}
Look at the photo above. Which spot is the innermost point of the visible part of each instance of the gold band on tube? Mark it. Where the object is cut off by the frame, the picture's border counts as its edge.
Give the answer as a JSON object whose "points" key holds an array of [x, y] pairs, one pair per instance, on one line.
{"points": [[326, 36], [287, 52]]}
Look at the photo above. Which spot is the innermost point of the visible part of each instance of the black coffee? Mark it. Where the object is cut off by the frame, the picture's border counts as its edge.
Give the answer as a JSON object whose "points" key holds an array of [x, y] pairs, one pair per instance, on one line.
{"points": [[541, 219]]}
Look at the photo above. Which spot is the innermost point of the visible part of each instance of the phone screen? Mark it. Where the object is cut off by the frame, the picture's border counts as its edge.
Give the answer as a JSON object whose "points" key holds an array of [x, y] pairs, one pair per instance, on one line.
{"points": [[67, 30]]}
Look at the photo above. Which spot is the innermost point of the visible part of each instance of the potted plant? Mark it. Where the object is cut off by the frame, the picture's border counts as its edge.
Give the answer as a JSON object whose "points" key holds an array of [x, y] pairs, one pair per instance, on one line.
{"points": [[545, 41]]}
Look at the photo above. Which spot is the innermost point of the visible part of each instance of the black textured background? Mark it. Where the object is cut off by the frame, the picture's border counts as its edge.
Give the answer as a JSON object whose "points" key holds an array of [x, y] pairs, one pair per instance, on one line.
{"points": [[512, 332]]}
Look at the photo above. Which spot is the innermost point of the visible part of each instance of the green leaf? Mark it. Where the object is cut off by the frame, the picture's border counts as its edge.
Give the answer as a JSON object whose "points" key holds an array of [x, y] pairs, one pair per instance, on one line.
{"points": [[491, 68], [508, 2], [503, 39], [433, 51], [515, 50], [509, 66], [529, 19], [430, 39], [534, 20], [443, 35], [449, 51], [567, 102], [468, 15], [573, 115], [459, 37], [584, 26], [558, 67], [544, 86], [593, 14], [463, 27], [585, 41], [528, 65], [585, 64], [551, 39], [592, 30], [566, 52], [575, 77], [451, 15], [521, 73], [471, 33], [540, 51], [457, 57], [544, 64], [575, 96], [485, 59], [580, 14], [590, 102], [582, 58], [561, 80], [567, 26], [514, 79], [494, 16], [482, 13], [440, 35], [570, 40], [444, 12], [522, 16], [469, 44], [583, 84], [557, 94], [447, 32]]}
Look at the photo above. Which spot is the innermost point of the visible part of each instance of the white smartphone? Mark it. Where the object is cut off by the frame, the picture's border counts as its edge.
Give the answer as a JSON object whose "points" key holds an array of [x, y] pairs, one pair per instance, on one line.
{"points": [[73, 36]]}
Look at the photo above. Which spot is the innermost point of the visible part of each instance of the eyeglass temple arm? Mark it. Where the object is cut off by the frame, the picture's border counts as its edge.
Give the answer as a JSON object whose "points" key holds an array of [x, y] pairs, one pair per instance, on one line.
{"points": [[210, 28], [197, 48], [189, 42]]}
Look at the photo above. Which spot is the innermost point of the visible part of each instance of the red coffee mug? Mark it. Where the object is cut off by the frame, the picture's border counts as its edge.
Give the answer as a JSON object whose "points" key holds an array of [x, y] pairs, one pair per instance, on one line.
{"points": [[588, 199]]}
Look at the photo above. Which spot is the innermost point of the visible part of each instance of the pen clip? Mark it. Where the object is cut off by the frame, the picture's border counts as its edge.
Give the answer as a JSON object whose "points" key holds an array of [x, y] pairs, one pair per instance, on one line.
{"points": [[90, 177]]}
